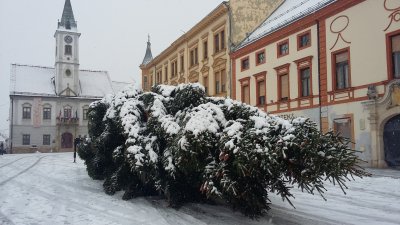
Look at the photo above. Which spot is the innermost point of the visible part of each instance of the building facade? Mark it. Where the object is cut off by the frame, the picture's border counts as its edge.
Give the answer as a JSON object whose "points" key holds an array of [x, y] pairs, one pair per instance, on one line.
{"points": [[49, 105], [334, 61], [202, 54]]}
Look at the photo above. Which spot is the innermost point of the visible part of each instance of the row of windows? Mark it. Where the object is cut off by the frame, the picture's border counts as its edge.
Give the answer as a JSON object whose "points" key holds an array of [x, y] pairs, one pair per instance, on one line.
{"points": [[26, 139], [27, 113], [341, 79], [303, 41], [219, 46]]}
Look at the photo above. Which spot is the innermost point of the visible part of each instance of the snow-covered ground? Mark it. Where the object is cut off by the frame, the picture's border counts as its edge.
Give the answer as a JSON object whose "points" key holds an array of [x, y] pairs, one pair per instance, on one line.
{"points": [[50, 189]]}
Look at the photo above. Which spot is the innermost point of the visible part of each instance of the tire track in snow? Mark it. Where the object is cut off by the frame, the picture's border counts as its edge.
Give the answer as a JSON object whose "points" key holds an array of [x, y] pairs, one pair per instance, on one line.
{"points": [[22, 171], [4, 165]]}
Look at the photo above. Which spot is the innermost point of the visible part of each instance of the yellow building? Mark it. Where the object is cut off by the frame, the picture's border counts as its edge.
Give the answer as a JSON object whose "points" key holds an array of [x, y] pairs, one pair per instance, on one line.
{"points": [[202, 54], [334, 61]]}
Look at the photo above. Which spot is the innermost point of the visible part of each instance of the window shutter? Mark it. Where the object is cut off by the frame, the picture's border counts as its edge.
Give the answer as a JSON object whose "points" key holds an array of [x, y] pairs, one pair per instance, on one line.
{"points": [[261, 87], [285, 86], [246, 94]]}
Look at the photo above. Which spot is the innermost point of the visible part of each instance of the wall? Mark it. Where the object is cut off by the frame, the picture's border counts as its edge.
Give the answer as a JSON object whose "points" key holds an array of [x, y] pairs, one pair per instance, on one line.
{"points": [[41, 127], [248, 14]]}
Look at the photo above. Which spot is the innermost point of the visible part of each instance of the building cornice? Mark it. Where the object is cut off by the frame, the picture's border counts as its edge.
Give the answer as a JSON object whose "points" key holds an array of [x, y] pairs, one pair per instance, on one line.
{"points": [[218, 12]]}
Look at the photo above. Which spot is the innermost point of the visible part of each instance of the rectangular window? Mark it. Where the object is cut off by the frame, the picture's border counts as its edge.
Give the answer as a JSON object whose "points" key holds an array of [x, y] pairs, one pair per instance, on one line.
{"points": [[260, 58], [26, 112], [342, 70], [46, 139], [194, 60], [222, 39], [305, 82], [205, 83], [166, 72], [219, 41], [26, 139], [216, 43], [68, 50], [182, 64], [196, 56], [284, 87], [395, 42], [145, 82], [304, 40], [67, 113], [246, 94], [205, 50], [344, 127], [85, 114], [217, 83], [261, 92], [46, 113], [283, 48], [245, 63], [174, 69], [223, 81]]}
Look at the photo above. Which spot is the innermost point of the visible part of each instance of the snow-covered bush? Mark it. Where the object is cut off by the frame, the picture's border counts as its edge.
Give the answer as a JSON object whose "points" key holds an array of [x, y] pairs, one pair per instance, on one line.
{"points": [[177, 142]]}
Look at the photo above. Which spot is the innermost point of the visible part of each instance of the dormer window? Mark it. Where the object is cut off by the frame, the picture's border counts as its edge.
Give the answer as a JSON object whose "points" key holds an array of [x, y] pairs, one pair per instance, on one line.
{"points": [[68, 50]]}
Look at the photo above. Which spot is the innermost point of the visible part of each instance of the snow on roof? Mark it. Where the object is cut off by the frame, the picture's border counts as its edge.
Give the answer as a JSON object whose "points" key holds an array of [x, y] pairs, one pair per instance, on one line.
{"points": [[95, 83], [288, 12], [34, 80], [119, 86], [38, 81]]}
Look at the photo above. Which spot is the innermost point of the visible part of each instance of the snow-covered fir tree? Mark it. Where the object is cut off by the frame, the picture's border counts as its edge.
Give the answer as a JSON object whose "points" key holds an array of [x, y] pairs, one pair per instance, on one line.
{"points": [[179, 143]]}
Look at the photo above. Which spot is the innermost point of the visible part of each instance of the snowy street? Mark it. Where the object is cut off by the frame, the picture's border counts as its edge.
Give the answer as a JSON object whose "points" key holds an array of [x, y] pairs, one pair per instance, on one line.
{"points": [[50, 189]]}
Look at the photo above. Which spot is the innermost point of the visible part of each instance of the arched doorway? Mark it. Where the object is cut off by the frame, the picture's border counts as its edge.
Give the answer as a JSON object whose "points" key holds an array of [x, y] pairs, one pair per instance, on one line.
{"points": [[66, 140], [391, 140]]}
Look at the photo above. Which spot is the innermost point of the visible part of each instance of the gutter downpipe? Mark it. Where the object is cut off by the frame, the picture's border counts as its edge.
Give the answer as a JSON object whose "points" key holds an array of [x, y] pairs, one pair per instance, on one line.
{"points": [[319, 77], [11, 125], [230, 47]]}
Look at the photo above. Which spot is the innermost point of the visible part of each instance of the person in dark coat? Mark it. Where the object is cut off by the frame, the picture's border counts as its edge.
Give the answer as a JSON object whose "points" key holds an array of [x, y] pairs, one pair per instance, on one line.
{"points": [[1, 148]]}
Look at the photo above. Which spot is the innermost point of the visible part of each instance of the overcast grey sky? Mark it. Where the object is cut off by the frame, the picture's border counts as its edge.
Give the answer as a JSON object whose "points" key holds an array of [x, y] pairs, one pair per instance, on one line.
{"points": [[114, 34]]}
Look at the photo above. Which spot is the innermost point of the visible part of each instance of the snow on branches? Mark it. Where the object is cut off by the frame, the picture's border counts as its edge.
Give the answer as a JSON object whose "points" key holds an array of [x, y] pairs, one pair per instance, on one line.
{"points": [[178, 142]]}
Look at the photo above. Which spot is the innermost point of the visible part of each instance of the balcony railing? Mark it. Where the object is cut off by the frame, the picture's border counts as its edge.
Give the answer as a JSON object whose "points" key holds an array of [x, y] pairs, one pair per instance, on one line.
{"points": [[67, 121]]}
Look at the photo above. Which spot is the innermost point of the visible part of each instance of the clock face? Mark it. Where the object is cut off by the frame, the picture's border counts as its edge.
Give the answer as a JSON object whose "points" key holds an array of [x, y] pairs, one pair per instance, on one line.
{"points": [[68, 39]]}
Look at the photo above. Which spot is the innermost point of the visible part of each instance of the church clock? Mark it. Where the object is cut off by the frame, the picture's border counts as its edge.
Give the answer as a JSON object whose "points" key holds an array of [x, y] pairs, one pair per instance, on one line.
{"points": [[68, 39]]}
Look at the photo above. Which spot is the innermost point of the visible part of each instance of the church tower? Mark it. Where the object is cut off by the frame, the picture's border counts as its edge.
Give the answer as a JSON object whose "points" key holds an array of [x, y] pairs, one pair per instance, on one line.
{"points": [[67, 54]]}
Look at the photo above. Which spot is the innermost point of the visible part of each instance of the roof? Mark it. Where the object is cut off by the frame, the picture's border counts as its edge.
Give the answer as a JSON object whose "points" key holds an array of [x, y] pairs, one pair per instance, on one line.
{"points": [[119, 86], [67, 19], [148, 56], [93, 84], [287, 13]]}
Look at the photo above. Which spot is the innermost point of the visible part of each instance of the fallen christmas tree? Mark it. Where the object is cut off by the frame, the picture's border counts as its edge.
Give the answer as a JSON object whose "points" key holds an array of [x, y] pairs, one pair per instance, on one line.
{"points": [[176, 142]]}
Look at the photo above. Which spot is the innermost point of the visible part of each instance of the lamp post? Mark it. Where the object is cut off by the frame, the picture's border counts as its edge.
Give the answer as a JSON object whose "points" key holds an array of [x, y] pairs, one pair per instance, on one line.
{"points": [[76, 142]]}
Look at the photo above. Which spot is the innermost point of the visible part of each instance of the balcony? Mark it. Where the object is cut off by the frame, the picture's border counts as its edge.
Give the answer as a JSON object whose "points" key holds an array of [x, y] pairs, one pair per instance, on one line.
{"points": [[67, 121]]}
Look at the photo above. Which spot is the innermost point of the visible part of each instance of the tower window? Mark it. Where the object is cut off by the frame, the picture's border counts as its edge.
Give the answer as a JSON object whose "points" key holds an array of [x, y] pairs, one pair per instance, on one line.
{"points": [[68, 73], [68, 50]]}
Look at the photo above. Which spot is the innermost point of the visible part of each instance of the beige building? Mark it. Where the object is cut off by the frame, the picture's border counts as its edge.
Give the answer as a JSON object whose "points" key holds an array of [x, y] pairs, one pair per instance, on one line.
{"points": [[334, 61], [202, 54]]}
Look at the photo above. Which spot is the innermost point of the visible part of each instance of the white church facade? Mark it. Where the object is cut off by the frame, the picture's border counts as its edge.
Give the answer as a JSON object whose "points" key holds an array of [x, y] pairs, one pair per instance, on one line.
{"points": [[48, 106]]}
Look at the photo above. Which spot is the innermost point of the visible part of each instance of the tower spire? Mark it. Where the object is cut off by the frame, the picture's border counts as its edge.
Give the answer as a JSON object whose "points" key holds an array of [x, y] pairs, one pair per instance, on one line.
{"points": [[67, 19], [148, 56]]}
